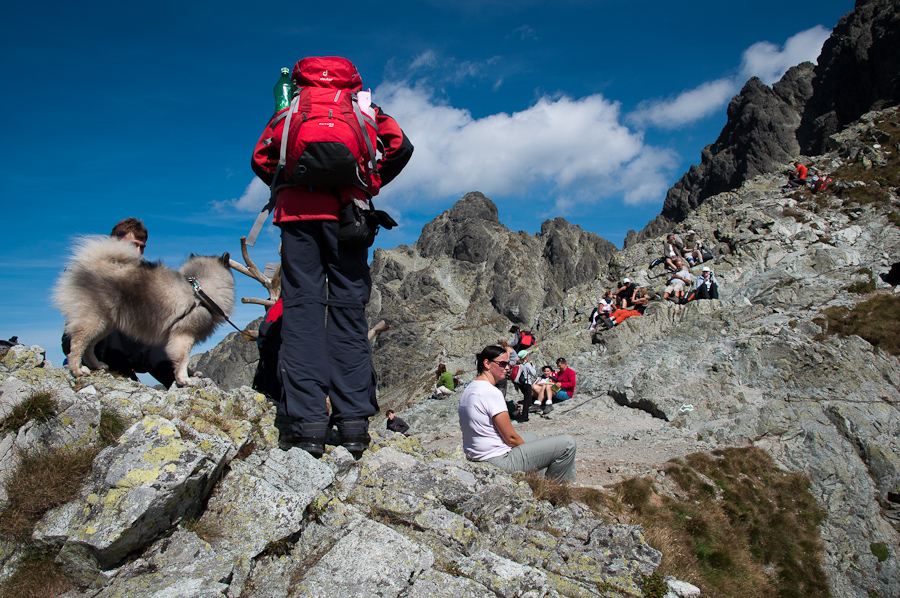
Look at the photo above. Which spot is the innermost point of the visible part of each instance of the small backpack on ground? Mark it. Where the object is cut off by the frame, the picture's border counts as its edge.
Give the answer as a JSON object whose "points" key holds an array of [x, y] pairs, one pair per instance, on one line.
{"points": [[656, 262]]}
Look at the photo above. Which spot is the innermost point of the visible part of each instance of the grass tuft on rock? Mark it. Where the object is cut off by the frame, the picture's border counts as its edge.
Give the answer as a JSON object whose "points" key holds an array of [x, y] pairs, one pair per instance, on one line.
{"points": [[38, 577], [112, 425], [43, 480], [744, 529], [39, 406], [877, 320]]}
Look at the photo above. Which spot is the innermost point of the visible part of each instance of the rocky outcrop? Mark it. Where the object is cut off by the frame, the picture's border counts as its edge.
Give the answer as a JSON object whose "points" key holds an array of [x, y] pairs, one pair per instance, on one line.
{"points": [[755, 366], [758, 138], [467, 272], [232, 362], [858, 70], [195, 499]]}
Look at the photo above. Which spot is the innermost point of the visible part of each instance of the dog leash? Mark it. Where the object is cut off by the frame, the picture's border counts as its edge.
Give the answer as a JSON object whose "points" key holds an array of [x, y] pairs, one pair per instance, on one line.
{"points": [[208, 302]]}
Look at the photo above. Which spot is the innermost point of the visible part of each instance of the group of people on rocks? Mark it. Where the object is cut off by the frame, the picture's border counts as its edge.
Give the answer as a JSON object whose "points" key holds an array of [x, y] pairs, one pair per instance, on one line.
{"points": [[799, 177], [679, 256], [486, 411]]}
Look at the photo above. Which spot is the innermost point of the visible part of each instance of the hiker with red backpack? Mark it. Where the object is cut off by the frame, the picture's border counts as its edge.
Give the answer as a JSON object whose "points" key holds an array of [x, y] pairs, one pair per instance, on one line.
{"points": [[319, 157], [522, 339]]}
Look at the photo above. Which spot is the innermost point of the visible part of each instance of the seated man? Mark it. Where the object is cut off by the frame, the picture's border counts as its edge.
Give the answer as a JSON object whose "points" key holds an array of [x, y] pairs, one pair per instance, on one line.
{"points": [[124, 355], [707, 287], [565, 377], [623, 295], [677, 282], [673, 249], [395, 424], [693, 248]]}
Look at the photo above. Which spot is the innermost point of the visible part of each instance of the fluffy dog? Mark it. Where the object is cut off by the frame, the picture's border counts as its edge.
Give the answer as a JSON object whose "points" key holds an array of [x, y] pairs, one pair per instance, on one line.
{"points": [[108, 286]]}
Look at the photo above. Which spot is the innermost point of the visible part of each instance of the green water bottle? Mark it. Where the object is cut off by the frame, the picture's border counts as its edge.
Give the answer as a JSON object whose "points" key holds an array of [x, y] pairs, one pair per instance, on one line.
{"points": [[284, 90]]}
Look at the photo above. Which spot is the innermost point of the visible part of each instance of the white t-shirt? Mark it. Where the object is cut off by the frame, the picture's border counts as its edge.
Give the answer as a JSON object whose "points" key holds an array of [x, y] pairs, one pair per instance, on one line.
{"points": [[480, 402]]}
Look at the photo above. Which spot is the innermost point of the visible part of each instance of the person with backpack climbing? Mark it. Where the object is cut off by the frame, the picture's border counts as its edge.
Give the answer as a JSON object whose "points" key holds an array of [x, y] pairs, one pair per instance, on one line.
{"points": [[522, 339], [318, 157]]}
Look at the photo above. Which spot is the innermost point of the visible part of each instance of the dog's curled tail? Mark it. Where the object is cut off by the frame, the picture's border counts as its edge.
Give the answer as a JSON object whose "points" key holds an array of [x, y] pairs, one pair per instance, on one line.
{"points": [[98, 249]]}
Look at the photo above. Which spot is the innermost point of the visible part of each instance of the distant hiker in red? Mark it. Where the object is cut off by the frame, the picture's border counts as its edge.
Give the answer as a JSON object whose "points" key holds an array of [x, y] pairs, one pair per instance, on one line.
{"points": [[800, 179], [326, 284]]}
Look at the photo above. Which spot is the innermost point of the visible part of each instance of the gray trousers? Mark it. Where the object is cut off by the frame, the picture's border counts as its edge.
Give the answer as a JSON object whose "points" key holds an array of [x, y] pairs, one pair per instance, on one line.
{"points": [[556, 454]]}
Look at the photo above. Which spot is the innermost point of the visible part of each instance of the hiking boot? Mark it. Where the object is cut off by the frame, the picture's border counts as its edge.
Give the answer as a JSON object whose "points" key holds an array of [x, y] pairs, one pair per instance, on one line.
{"points": [[355, 436], [547, 409], [309, 437], [313, 445], [534, 409]]}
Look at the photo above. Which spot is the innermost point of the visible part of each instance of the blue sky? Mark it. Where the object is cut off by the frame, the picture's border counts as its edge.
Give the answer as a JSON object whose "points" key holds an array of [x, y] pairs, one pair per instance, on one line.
{"points": [[588, 110]]}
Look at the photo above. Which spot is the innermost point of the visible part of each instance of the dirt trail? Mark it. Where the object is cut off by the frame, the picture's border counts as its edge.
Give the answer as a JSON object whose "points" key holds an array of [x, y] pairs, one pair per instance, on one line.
{"points": [[614, 442]]}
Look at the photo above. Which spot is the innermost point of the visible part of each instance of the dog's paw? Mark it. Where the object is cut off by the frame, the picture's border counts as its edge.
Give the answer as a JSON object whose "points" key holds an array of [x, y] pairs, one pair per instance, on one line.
{"points": [[79, 371], [187, 382]]}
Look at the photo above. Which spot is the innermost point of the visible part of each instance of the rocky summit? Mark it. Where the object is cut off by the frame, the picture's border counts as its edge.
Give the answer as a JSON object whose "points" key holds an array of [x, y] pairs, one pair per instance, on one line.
{"points": [[184, 492], [195, 499]]}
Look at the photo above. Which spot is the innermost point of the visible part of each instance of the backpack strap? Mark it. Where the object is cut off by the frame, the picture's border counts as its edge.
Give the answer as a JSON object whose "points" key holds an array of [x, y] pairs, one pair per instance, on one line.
{"points": [[362, 120], [273, 186]]}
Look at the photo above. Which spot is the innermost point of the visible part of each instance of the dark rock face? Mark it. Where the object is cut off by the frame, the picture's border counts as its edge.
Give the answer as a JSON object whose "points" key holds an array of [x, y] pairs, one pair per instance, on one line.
{"points": [[758, 137], [463, 232], [858, 70], [573, 256]]}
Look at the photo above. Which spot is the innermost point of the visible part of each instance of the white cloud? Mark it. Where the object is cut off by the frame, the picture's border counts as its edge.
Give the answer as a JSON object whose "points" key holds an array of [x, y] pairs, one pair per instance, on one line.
{"points": [[255, 196], [577, 147], [689, 106], [763, 59], [769, 62]]}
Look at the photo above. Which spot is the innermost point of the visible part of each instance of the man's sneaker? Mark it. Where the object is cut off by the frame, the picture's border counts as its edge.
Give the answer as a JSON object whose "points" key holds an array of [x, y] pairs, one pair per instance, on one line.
{"points": [[547, 409]]}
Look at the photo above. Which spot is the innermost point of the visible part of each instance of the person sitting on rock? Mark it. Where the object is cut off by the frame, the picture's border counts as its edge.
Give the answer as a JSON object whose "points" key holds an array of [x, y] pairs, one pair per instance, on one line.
{"points": [[707, 287], [395, 424], [444, 386], [673, 249], [800, 179], [677, 282], [638, 305], [542, 389], [693, 248], [622, 296], [821, 182], [603, 309], [488, 434]]}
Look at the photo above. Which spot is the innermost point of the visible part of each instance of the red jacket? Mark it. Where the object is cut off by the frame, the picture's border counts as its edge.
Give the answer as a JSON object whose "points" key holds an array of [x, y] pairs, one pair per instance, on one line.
{"points": [[566, 379], [306, 203]]}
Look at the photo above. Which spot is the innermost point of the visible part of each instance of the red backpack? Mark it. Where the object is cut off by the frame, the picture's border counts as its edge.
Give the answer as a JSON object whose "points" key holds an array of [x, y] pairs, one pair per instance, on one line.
{"points": [[330, 133], [526, 339]]}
